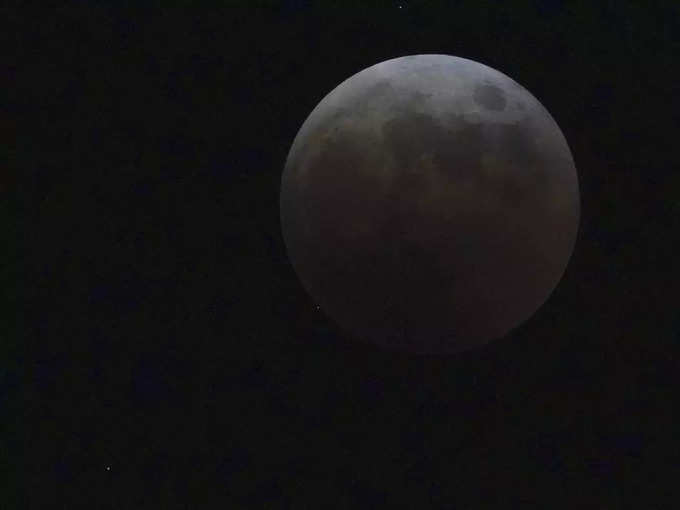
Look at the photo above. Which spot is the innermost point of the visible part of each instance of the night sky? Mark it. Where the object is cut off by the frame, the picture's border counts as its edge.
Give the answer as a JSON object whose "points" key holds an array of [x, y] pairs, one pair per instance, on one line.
{"points": [[172, 358]]}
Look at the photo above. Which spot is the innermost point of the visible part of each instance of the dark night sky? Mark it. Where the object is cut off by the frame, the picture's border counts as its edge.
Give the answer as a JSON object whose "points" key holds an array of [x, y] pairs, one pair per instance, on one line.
{"points": [[173, 359]]}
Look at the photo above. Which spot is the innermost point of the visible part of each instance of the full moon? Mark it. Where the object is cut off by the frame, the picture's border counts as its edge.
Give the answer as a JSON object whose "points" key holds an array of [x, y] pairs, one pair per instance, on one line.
{"points": [[429, 204]]}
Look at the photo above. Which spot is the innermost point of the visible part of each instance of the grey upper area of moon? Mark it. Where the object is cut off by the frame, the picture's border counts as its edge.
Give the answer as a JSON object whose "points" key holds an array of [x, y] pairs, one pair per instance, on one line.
{"points": [[451, 166]]}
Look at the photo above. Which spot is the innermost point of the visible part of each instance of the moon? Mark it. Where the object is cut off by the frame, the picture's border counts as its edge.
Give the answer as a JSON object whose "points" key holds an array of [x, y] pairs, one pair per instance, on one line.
{"points": [[429, 204]]}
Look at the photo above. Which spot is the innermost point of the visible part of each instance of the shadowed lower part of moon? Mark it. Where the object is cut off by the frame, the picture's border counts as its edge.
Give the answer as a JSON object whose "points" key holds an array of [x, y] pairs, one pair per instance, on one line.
{"points": [[429, 215]]}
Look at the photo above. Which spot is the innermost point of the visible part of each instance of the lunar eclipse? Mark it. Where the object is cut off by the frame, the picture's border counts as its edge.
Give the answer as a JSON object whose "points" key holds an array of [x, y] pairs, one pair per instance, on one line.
{"points": [[429, 204]]}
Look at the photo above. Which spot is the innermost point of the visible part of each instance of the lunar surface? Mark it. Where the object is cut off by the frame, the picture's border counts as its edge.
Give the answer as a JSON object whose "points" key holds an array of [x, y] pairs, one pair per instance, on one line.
{"points": [[429, 204]]}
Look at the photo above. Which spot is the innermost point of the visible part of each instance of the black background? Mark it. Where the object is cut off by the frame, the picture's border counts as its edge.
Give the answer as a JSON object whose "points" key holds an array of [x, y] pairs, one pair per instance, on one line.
{"points": [[173, 359]]}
